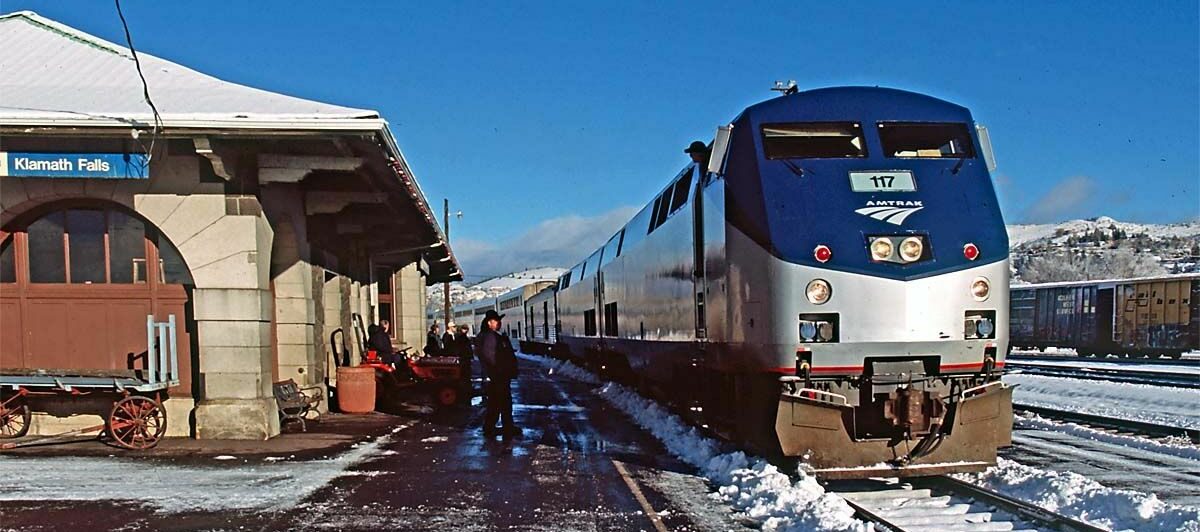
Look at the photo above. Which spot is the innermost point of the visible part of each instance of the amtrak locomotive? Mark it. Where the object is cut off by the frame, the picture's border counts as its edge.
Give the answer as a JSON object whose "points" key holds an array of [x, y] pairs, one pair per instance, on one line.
{"points": [[832, 285]]}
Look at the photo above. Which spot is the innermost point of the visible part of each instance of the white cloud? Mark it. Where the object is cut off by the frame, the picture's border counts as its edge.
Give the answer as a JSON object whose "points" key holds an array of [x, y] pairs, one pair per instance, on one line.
{"points": [[560, 242], [1063, 201]]}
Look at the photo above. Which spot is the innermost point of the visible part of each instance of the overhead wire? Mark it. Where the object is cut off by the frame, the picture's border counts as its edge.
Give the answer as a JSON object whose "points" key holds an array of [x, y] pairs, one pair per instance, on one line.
{"points": [[158, 124]]}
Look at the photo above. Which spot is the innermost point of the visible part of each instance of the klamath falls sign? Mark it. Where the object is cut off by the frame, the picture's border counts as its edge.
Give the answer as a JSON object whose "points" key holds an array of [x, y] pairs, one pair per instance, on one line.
{"points": [[75, 165]]}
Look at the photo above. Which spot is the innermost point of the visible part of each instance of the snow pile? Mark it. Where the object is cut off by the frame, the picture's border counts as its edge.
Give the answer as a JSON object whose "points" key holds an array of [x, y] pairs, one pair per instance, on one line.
{"points": [[1138, 402], [1076, 496], [560, 367], [749, 484], [1190, 452]]}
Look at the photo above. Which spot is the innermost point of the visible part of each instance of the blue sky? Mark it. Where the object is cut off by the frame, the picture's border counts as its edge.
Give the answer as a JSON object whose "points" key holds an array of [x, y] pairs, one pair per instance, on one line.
{"points": [[547, 122]]}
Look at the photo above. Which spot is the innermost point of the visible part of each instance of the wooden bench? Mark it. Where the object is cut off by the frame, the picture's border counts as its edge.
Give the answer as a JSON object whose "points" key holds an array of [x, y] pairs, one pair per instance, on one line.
{"points": [[295, 402]]}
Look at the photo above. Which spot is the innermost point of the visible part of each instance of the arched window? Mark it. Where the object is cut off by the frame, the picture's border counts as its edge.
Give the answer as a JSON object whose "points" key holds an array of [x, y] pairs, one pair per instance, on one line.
{"points": [[90, 246]]}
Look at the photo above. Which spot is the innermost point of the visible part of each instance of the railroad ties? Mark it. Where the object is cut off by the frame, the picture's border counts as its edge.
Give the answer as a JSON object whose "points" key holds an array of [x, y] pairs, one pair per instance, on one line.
{"points": [[946, 503]]}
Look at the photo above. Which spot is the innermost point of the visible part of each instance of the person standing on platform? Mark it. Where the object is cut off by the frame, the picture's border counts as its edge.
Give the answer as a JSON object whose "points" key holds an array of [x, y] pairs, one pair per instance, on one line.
{"points": [[433, 343], [449, 346], [462, 343], [500, 361]]}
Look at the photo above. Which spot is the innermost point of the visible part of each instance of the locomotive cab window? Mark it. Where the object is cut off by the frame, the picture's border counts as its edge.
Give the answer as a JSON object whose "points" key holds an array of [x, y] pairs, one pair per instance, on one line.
{"points": [[813, 140], [935, 141]]}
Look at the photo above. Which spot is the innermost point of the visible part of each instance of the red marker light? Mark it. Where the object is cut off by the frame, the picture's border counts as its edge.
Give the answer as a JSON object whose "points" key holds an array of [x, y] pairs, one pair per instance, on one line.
{"points": [[822, 253], [971, 251]]}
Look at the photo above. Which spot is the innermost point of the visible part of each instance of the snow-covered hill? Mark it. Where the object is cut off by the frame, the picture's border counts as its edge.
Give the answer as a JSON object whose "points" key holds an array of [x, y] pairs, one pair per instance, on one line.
{"points": [[493, 287], [1019, 234], [1102, 248]]}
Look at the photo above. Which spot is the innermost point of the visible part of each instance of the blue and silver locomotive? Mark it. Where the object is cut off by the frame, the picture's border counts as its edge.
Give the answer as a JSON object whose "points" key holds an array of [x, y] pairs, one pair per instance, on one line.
{"points": [[832, 285]]}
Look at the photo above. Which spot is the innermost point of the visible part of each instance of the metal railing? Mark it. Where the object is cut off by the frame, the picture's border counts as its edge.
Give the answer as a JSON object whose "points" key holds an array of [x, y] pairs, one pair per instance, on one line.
{"points": [[162, 356]]}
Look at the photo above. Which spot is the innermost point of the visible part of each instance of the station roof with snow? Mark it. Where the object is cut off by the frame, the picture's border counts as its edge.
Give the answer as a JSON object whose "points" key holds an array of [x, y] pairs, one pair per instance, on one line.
{"points": [[58, 78]]}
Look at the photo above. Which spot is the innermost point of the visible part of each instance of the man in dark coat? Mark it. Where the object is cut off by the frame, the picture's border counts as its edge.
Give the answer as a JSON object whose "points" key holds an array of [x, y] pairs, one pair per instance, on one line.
{"points": [[500, 360], [433, 343], [379, 340], [465, 351], [449, 345]]}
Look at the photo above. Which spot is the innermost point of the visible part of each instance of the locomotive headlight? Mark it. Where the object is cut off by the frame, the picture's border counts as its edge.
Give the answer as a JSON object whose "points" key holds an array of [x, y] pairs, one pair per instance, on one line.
{"points": [[825, 330], [980, 288], [818, 291], [911, 249], [808, 331], [985, 328], [881, 249]]}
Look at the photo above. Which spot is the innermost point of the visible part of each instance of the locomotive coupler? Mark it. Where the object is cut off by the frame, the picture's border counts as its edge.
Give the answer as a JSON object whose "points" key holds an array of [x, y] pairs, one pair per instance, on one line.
{"points": [[913, 410]]}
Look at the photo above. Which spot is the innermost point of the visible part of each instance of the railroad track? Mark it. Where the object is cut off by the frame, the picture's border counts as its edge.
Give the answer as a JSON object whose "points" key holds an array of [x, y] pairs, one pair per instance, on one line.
{"points": [[946, 503], [1129, 376], [1033, 356], [1143, 428]]}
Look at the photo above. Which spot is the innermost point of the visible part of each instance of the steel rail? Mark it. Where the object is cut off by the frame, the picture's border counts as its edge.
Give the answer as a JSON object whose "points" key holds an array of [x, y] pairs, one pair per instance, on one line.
{"points": [[1153, 378], [1142, 427], [1008, 504], [943, 485], [1019, 356]]}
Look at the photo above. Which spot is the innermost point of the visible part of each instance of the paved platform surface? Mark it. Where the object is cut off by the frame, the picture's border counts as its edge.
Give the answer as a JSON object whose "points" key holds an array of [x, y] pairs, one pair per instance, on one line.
{"points": [[578, 465]]}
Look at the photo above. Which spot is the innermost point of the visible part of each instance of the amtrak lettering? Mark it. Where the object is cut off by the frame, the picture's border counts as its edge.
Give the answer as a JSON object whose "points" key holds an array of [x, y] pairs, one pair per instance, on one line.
{"points": [[891, 211]]}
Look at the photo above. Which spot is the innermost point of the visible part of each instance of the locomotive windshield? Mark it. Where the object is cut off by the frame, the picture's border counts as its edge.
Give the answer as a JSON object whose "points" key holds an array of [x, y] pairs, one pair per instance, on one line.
{"points": [[938, 141], [813, 140]]}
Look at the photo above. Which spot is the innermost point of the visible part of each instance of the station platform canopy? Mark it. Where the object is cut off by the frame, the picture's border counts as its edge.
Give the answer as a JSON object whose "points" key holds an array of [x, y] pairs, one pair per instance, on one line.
{"points": [[61, 82]]}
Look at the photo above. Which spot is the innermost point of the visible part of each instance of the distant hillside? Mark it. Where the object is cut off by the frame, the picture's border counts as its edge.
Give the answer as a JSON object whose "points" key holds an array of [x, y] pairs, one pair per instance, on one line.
{"points": [[1102, 248]]}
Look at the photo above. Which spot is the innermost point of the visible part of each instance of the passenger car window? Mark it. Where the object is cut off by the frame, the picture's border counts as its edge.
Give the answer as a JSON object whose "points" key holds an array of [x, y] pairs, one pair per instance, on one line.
{"points": [[813, 140], [926, 140]]}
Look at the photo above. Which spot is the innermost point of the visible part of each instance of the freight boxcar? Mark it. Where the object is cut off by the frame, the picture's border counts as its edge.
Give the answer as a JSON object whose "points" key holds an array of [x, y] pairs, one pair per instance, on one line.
{"points": [[1138, 317]]}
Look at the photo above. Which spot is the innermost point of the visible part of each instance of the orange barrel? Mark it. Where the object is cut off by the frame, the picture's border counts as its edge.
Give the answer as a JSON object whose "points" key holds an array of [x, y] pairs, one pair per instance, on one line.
{"points": [[356, 389]]}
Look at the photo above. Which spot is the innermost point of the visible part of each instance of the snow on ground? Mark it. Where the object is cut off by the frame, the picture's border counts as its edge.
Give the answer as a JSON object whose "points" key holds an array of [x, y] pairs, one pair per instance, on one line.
{"points": [[1183, 449], [172, 488], [1156, 368], [1074, 495], [748, 483], [1154, 404]]}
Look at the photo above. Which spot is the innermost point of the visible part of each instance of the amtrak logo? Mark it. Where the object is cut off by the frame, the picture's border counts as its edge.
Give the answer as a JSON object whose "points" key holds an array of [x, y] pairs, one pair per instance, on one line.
{"points": [[893, 212]]}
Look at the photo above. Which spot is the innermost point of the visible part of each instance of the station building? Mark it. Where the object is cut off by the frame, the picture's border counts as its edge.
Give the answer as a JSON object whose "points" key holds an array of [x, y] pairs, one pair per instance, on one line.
{"points": [[270, 226]]}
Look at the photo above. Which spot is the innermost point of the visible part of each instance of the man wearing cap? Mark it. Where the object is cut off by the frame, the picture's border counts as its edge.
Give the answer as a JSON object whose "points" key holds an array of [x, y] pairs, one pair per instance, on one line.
{"points": [[500, 361], [699, 153]]}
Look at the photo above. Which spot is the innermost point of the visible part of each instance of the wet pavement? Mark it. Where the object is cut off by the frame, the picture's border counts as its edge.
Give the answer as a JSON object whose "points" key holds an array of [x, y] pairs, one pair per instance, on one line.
{"points": [[578, 464]]}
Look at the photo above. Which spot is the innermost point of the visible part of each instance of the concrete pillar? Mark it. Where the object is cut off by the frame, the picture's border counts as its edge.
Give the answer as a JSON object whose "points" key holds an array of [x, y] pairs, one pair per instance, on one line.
{"points": [[409, 305], [233, 309], [235, 364], [335, 317], [295, 324], [356, 331]]}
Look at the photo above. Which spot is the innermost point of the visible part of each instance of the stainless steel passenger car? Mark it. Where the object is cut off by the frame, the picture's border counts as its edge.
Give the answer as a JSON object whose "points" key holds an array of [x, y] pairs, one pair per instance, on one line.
{"points": [[832, 285]]}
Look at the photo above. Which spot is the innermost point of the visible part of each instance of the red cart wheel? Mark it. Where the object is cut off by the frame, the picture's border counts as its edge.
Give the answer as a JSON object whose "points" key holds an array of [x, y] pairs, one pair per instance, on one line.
{"points": [[137, 422], [14, 417]]}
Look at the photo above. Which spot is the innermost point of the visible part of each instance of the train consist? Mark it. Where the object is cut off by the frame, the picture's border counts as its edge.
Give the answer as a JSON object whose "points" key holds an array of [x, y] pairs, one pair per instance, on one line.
{"points": [[1137, 317], [510, 303], [832, 283]]}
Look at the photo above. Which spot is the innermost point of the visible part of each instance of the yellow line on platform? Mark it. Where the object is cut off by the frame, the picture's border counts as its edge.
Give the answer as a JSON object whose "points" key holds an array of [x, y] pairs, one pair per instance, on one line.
{"points": [[641, 498]]}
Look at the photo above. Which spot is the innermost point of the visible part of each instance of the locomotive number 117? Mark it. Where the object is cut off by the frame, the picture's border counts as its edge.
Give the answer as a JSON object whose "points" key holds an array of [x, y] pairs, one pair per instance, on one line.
{"points": [[885, 181]]}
